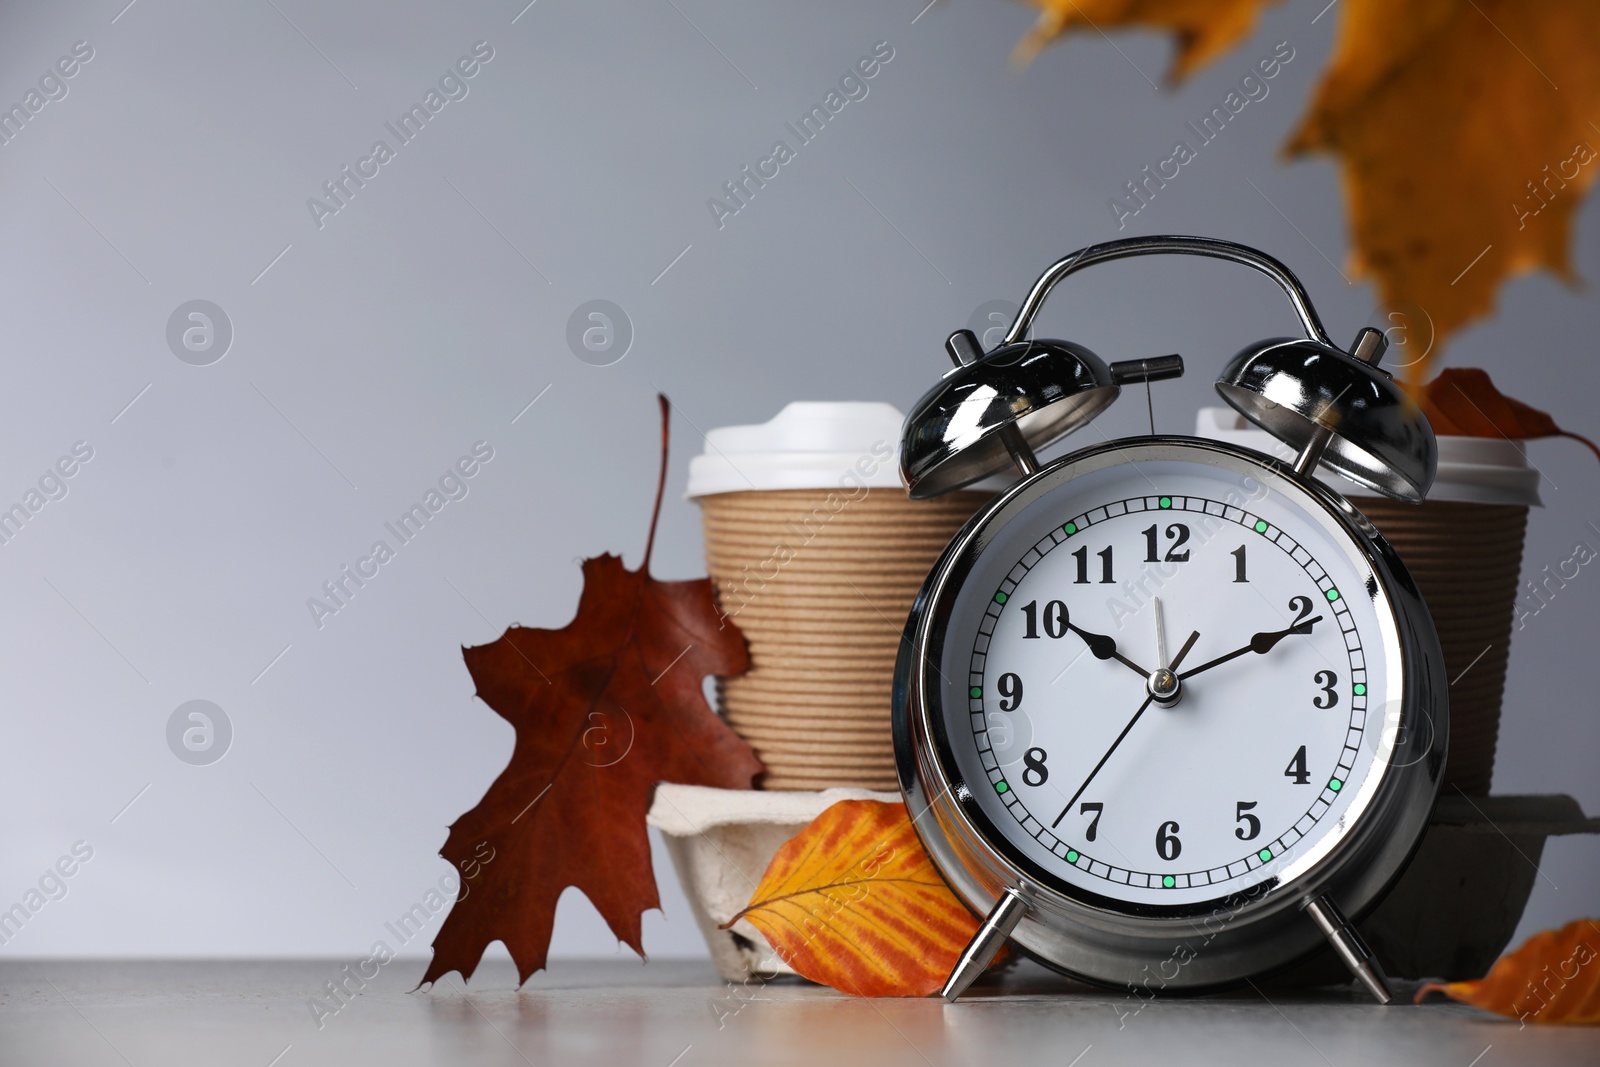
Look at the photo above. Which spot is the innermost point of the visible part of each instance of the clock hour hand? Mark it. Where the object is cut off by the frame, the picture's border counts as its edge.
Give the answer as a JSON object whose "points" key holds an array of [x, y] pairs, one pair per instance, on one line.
{"points": [[1102, 646], [1261, 643]]}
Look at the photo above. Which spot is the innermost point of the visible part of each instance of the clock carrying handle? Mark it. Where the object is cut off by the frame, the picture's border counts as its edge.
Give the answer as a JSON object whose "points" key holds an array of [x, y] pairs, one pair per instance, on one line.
{"points": [[1156, 246]]}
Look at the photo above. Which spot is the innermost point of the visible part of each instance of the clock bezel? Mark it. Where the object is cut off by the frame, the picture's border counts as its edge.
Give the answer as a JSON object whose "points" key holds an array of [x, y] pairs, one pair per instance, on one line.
{"points": [[1107, 940]]}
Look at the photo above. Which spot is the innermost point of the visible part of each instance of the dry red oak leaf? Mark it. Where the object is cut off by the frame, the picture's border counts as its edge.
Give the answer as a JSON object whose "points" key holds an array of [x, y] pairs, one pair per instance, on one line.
{"points": [[1463, 401], [603, 708]]}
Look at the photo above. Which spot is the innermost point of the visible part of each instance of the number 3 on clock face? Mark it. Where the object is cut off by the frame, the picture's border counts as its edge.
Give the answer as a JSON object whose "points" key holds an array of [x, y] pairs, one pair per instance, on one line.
{"points": [[1283, 651]]}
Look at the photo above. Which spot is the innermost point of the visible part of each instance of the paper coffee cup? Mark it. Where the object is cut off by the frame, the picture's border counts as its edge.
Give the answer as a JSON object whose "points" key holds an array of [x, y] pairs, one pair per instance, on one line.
{"points": [[1463, 547], [817, 554]]}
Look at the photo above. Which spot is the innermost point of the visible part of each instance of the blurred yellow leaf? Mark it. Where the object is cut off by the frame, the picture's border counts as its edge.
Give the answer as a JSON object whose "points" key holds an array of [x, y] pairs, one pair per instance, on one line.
{"points": [[1204, 28], [1465, 130], [1553, 978]]}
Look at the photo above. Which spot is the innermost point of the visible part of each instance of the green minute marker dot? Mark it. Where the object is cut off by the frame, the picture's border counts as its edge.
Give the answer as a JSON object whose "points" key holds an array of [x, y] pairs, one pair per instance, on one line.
{"points": [[999, 598], [1335, 785], [1166, 501], [1261, 526], [1001, 787], [977, 692], [1168, 881], [1070, 528], [1072, 856], [1265, 855], [1360, 689], [1333, 594]]}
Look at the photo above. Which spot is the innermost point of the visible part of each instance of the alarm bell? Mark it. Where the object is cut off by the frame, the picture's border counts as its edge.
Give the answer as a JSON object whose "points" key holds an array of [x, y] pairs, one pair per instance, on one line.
{"points": [[994, 409], [1332, 407], [1337, 409]]}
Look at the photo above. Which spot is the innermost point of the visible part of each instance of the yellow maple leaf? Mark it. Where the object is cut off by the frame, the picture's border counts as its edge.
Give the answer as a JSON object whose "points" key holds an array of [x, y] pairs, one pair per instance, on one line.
{"points": [[1463, 127], [1204, 28], [1554, 977], [852, 901], [1465, 130]]}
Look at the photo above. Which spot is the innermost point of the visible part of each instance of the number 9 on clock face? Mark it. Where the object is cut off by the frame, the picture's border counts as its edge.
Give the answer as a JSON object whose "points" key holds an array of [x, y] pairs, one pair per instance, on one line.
{"points": [[1164, 681]]}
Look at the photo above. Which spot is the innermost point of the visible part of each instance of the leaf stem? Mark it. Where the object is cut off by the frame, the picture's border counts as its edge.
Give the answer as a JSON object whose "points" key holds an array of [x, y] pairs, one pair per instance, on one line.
{"points": [[1583, 440], [661, 483]]}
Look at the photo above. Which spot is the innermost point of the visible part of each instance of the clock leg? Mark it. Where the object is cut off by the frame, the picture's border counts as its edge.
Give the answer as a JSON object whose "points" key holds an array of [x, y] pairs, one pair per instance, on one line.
{"points": [[1002, 919], [1348, 944]]}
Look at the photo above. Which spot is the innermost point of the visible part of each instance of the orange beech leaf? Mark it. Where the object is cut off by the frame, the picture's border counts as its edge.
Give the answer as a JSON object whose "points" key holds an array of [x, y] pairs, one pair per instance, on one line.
{"points": [[1204, 28], [1463, 401], [852, 901], [603, 708], [1552, 978]]}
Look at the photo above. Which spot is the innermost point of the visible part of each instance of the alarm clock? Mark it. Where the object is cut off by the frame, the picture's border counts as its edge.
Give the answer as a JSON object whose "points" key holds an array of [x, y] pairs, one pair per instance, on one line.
{"points": [[1169, 712]]}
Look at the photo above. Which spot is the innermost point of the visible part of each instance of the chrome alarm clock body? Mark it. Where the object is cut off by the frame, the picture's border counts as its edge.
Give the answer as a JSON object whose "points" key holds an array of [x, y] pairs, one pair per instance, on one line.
{"points": [[1167, 709], [1245, 926]]}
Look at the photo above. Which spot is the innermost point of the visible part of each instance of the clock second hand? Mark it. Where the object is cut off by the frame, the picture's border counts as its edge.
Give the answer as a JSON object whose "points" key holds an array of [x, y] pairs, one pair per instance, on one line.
{"points": [[1161, 638], [1148, 700]]}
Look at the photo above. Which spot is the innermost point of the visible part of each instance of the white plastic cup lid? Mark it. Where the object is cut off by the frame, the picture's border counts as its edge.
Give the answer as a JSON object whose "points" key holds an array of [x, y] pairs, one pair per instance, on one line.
{"points": [[807, 445], [1475, 470]]}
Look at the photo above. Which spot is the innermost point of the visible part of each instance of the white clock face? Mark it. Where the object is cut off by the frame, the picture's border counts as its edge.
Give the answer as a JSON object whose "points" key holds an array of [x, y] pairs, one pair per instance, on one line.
{"points": [[1286, 656]]}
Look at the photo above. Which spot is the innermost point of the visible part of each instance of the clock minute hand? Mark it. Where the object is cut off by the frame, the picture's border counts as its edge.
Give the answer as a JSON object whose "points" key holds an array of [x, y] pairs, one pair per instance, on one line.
{"points": [[1148, 700], [1261, 643]]}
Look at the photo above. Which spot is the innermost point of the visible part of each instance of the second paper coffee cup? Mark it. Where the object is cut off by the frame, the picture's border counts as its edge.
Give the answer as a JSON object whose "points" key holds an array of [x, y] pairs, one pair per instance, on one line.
{"points": [[1463, 547]]}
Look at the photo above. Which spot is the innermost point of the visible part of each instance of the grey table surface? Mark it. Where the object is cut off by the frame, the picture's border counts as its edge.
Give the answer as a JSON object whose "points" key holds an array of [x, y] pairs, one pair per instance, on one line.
{"points": [[672, 1013]]}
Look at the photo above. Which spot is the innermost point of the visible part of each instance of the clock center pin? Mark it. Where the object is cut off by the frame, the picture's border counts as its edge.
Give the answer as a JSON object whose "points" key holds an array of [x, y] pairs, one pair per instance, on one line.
{"points": [[1164, 686]]}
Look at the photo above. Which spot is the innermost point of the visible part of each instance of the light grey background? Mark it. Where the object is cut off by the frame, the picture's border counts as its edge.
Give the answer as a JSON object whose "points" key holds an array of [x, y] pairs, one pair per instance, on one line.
{"points": [[429, 312]]}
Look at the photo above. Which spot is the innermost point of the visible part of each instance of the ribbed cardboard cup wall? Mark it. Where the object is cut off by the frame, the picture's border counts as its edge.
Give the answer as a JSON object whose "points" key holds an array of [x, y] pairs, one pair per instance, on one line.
{"points": [[821, 581], [1466, 559]]}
